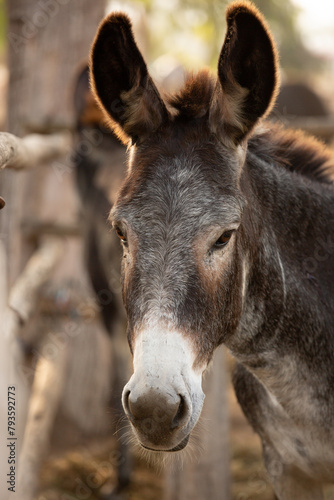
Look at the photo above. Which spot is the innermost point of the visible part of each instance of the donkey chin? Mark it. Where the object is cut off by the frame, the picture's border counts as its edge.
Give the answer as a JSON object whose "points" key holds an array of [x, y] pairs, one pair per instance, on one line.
{"points": [[164, 398]]}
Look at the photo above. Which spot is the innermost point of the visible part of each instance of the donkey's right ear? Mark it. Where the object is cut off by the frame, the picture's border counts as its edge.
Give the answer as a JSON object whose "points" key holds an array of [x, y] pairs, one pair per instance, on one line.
{"points": [[121, 82]]}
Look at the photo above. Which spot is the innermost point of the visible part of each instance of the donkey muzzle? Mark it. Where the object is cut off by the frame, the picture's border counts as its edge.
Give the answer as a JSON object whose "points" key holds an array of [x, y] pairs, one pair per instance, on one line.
{"points": [[163, 399], [159, 417]]}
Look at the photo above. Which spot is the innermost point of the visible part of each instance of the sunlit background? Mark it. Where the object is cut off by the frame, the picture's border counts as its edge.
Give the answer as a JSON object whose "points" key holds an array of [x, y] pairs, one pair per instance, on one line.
{"points": [[316, 23], [191, 32]]}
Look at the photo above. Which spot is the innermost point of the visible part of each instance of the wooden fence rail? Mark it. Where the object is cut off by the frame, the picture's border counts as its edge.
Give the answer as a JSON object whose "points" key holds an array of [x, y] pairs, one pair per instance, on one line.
{"points": [[32, 150], [24, 294]]}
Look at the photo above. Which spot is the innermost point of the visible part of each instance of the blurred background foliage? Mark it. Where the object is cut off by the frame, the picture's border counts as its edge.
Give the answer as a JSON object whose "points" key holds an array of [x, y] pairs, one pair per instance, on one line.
{"points": [[192, 31]]}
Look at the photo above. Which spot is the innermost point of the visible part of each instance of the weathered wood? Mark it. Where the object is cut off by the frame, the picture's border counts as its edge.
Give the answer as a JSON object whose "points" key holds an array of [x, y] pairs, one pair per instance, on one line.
{"points": [[46, 394], [35, 228], [49, 373], [3, 287], [204, 473], [47, 42], [11, 359], [4, 368], [32, 150], [24, 295]]}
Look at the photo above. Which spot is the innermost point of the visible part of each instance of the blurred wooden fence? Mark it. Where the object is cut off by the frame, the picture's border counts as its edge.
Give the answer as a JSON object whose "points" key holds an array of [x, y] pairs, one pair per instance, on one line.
{"points": [[18, 306], [47, 41]]}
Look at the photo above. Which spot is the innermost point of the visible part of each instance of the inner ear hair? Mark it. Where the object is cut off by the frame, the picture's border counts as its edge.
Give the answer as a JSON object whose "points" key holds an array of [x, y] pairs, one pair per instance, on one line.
{"points": [[121, 82], [248, 79]]}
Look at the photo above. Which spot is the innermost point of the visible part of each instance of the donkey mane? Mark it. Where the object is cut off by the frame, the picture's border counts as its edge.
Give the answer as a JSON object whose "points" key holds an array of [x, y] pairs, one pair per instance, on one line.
{"points": [[291, 149], [295, 151]]}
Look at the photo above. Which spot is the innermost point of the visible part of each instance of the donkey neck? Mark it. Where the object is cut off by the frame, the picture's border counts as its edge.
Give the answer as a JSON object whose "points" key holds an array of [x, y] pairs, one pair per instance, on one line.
{"points": [[286, 330], [288, 305], [294, 207]]}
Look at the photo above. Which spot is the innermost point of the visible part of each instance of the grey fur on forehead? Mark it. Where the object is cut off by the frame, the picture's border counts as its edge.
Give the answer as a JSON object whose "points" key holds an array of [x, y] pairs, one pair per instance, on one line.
{"points": [[179, 189]]}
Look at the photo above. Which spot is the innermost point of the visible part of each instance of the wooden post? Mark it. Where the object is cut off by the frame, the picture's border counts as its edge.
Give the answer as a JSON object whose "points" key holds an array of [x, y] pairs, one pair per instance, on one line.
{"points": [[47, 41], [25, 293], [204, 474], [46, 394], [22, 304], [8, 351]]}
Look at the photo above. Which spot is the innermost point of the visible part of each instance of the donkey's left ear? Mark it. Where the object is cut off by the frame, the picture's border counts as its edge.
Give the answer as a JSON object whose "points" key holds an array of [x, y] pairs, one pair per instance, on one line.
{"points": [[248, 77]]}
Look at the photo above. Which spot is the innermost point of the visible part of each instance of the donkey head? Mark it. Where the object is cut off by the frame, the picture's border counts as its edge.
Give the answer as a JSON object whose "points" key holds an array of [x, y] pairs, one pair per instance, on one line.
{"points": [[181, 211]]}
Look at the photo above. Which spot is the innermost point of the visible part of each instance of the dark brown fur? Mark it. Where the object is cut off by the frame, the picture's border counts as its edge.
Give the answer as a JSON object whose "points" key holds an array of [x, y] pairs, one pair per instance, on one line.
{"points": [[296, 151]]}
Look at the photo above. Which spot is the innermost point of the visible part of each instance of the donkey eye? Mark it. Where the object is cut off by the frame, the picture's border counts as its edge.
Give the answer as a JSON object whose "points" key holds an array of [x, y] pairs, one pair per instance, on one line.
{"points": [[120, 234], [224, 239]]}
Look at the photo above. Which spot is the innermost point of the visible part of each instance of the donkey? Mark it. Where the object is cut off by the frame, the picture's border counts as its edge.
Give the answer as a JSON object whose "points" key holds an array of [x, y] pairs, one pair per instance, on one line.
{"points": [[227, 228]]}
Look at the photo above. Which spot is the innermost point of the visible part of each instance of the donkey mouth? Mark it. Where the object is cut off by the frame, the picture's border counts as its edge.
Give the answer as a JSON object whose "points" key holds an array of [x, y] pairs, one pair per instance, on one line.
{"points": [[179, 447]]}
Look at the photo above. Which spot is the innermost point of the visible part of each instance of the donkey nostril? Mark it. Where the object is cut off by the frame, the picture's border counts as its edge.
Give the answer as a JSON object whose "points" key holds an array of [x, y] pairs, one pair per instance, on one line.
{"points": [[182, 413], [126, 404]]}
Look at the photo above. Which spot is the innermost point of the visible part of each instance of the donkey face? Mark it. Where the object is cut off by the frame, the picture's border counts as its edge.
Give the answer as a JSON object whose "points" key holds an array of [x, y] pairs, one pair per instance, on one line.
{"points": [[181, 213], [177, 268]]}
